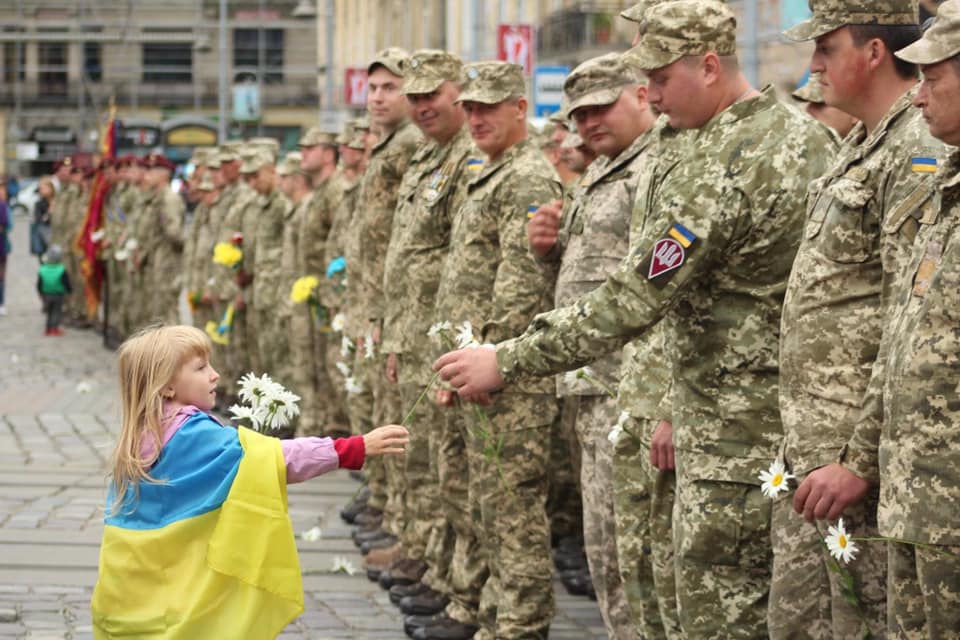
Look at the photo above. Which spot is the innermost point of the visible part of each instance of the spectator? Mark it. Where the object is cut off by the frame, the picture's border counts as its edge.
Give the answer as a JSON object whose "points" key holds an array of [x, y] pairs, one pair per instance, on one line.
{"points": [[40, 226]]}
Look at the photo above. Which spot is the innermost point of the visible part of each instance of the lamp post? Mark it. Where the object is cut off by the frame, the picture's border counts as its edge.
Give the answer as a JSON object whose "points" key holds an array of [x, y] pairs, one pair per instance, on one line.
{"points": [[222, 75]]}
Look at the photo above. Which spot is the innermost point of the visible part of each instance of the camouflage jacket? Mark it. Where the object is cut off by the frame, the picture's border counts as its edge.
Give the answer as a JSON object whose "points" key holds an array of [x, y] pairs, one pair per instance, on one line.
{"points": [[114, 218], [594, 237], [919, 445], [490, 277], [229, 209], [269, 282], [316, 223], [863, 216], [378, 198], [290, 254], [333, 290], [60, 215], [201, 214], [206, 237], [712, 258], [431, 192], [163, 225]]}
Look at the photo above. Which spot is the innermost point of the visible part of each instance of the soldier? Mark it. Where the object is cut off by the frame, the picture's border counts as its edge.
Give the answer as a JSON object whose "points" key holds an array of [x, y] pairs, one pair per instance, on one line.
{"points": [[76, 215], [203, 233], [608, 103], [135, 303], [717, 234], [295, 184], [864, 216], [115, 221], [811, 96], [398, 139], [491, 281], [910, 434], [161, 241], [428, 198]]}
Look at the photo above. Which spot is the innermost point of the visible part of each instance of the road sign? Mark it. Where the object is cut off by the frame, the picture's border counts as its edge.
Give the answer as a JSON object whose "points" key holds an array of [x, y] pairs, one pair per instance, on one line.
{"points": [[548, 89], [246, 102], [355, 87], [515, 44]]}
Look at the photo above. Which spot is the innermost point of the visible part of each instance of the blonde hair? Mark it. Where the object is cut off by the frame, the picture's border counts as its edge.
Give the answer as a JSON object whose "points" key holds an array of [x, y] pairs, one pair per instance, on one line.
{"points": [[148, 362]]}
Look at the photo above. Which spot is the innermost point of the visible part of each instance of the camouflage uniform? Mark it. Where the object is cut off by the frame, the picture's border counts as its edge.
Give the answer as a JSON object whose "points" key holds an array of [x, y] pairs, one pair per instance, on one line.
{"points": [[491, 280], [165, 215], [906, 439], [863, 217], [76, 305], [270, 290], [206, 222], [712, 258], [378, 194], [115, 219], [290, 375], [132, 310], [593, 240]]}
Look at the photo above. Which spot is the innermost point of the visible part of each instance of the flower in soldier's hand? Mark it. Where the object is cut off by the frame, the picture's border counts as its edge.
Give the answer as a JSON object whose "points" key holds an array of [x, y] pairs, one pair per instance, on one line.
{"points": [[303, 289], [312, 535], [439, 328], [346, 346], [775, 479], [839, 543], [344, 369], [339, 322], [465, 338], [617, 430], [369, 348], [352, 385]]}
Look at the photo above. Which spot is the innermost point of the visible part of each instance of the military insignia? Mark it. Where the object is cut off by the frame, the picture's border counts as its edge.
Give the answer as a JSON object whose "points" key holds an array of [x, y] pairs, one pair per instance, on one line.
{"points": [[414, 63], [531, 211], [857, 174], [923, 164], [475, 165], [928, 266], [668, 254], [472, 73]]}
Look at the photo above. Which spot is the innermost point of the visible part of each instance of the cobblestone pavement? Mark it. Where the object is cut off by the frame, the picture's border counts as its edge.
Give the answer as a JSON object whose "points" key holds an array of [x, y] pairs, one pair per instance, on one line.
{"points": [[58, 414]]}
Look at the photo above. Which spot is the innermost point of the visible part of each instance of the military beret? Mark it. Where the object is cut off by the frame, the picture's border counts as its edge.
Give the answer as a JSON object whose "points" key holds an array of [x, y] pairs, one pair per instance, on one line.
{"points": [[830, 15], [685, 28], [157, 161], [941, 41], [493, 82]]}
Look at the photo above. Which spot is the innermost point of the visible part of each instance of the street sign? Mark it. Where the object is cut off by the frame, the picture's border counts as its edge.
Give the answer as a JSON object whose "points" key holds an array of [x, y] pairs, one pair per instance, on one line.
{"points": [[355, 87], [548, 89], [246, 102], [515, 44]]}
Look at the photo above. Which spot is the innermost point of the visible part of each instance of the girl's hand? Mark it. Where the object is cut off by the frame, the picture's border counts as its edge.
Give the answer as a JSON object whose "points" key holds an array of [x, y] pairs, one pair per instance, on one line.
{"points": [[387, 439]]}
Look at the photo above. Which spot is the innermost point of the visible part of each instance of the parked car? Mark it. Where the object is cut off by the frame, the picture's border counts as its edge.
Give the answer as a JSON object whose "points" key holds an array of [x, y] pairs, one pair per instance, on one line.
{"points": [[22, 205]]}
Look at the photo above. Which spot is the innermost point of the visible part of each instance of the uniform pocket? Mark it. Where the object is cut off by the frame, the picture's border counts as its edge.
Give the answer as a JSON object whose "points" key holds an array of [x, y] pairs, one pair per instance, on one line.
{"points": [[842, 233]]}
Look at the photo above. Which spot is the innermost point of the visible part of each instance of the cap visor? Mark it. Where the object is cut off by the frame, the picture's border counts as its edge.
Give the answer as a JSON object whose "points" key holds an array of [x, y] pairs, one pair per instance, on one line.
{"points": [[647, 57], [483, 97], [809, 29], [926, 52], [602, 97], [416, 86]]}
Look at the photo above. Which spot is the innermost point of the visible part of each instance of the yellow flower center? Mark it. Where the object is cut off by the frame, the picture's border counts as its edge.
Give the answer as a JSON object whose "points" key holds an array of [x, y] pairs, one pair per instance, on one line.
{"points": [[776, 480], [842, 541]]}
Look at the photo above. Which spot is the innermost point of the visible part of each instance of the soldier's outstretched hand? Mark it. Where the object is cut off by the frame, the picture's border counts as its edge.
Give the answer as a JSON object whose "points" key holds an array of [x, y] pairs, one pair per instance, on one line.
{"points": [[471, 371]]}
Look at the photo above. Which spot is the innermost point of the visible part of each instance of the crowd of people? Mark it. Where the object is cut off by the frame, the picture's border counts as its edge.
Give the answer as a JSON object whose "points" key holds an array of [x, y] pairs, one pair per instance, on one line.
{"points": [[686, 333]]}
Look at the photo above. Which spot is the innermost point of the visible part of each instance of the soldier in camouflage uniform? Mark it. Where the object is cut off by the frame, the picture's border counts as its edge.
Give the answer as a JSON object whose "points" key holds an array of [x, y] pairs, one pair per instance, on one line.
{"points": [[198, 261], [608, 103], [811, 97], [906, 438], [491, 280], [133, 302], [379, 187], [710, 255], [864, 214], [427, 200], [115, 219], [161, 241], [75, 307]]}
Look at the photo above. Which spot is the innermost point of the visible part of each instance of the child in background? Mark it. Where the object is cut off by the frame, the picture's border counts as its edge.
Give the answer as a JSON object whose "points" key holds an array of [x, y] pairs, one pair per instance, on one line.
{"points": [[198, 542], [53, 285]]}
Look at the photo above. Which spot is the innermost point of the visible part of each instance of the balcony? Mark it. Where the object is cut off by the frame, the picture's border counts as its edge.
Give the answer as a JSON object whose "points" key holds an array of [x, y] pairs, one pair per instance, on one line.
{"points": [[571, 36]]}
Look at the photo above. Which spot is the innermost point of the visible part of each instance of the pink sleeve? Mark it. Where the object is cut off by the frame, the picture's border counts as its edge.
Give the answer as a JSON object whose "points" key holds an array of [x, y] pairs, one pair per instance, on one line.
{"points": [[310, 457]]}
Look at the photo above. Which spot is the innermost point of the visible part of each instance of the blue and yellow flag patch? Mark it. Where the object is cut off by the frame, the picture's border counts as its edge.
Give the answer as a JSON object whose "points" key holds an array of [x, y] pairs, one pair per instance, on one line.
{"points": [[682, 235], [531, 210], [923, 164], [475, 165]]}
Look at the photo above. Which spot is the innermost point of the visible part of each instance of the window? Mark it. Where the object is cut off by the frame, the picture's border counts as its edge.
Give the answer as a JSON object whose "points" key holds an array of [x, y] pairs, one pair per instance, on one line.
{"points": [[93, 61], [168, 62], [52, 68], [11, 61], [246, 49]]}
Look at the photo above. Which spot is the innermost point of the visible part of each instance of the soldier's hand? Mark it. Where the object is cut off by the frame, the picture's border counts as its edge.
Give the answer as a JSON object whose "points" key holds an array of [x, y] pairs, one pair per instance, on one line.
{"points": [[544, 228], [661, 447], [444, 397], [206, 297], [389, 439], [827, 491], [239, 304], [482, 399], [471, 371], [391, 371], [375, 333]]}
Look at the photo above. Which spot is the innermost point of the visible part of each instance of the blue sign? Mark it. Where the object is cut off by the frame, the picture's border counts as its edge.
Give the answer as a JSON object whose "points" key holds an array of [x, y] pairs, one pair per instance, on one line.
{"points": [[548, 89]]}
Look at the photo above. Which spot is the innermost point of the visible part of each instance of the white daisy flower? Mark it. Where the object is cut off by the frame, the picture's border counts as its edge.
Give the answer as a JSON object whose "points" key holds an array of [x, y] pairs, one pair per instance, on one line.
{"points": [[339, 322], [585, 372], [775, 479], [352, 385], [346, 346], [121, 255], [369, 348], [97, 236], [312, 535], [84, 387], [438, 328], [344, 369], [131, 245], [465, 338], [839, 543], [241, 413], [341, 565], [617, 430]]}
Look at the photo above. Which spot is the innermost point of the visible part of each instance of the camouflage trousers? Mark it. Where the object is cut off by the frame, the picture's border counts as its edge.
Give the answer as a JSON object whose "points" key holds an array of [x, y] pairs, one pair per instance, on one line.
{"points": [[387, 409], [721, 535], [164, 295], [468, 567], [564, 504], [509, 482], [643, 505], [360, 408], [332, 387], [272, 342], [304, 372], [76, 305], [116, 279], [923, 591], [592, 417], [241, 352], [806, 598]]}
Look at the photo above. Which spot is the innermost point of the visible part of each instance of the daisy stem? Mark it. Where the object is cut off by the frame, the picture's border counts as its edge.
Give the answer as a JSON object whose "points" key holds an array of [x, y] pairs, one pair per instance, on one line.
{"points": [[433, 381], [599, 384]]}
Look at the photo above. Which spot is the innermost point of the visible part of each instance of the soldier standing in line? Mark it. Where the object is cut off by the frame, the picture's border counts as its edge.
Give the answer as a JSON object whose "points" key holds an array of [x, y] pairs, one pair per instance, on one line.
{"points": [[491, 281], [203, 232], [711, 256], [389, 159], [811, 97], [76, 214], [115, 221], [134, 310], [429, 196], [295, 185], [864, 215], [163, 238]]}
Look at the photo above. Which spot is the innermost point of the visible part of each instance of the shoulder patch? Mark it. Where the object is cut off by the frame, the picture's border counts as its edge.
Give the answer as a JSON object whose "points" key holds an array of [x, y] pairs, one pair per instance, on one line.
{"points": [[475, 165], [923, 164], [667, 255]]}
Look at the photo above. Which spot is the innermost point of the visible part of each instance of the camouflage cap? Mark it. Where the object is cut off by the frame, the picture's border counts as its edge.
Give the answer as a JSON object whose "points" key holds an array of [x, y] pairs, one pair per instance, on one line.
{"points": [[685, 28], [212, 161], [830, 15], [810, 91], [559, 117], [201, 154], [572, 141], [255, 158], [315, 136], [598, 81], [345, 136], [206, 184], [394, 59], [290, 164], [941, 41], [362, 123], [634, 13], [430, 68], [493, 82], [229, 151]]}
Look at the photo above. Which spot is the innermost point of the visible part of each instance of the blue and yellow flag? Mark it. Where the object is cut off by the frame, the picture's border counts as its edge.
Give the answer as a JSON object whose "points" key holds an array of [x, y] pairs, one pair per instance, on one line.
{"points": [[208, 553]]}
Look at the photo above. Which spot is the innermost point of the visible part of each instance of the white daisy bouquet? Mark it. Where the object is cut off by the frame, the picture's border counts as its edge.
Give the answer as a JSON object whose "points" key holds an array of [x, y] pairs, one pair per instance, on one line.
{"points": [[268, 405]]}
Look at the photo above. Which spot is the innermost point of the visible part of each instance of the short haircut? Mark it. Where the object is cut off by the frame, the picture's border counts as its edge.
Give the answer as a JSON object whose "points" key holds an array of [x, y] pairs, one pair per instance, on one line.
{"points": [[894, 37]]}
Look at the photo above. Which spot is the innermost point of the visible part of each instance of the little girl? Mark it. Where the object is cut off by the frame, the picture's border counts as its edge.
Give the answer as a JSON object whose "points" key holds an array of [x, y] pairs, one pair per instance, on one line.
{"points": [[198, 542]]}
